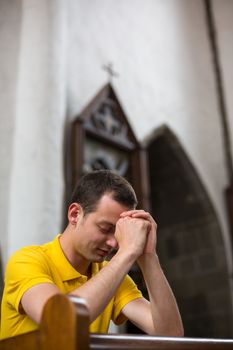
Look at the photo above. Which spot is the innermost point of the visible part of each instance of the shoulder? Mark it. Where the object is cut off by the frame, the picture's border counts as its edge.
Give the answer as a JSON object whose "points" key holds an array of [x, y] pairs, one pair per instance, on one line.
{"points": [[30, 257], [25, 253]]}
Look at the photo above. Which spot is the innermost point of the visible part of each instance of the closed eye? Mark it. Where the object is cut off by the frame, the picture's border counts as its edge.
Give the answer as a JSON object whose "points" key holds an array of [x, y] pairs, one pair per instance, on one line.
{"points": [[107, 230]]}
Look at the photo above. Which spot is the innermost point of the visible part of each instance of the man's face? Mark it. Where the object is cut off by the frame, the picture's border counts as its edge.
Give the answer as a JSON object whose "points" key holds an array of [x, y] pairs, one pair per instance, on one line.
{"points": [[94, 236]]}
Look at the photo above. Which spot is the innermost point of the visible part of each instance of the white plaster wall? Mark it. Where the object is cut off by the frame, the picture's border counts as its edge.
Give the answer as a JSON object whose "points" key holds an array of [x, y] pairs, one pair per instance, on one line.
{"points": [[161, 51], [36, 181], [223, 15], [10, 30]]}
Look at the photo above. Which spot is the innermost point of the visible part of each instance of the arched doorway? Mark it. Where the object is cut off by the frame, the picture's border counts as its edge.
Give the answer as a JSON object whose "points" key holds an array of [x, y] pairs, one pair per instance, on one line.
{"points": [[190, 244]]}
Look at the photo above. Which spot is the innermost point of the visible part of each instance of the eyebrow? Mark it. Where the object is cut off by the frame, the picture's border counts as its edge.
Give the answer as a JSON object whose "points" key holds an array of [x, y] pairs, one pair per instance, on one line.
{"points": [[104, 222]]}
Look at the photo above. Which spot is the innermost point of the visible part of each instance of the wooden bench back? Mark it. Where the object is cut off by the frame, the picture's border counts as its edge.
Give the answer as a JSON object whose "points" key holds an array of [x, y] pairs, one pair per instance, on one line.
{"points": [[64, 326]]}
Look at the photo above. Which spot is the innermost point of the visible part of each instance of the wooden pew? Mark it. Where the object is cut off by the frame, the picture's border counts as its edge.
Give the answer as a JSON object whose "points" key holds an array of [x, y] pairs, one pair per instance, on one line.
{"points": [[65, 326]]}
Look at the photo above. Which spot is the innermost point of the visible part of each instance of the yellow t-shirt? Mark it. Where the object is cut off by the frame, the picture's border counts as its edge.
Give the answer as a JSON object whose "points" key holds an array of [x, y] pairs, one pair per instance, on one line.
{"points": [[47, 264]]}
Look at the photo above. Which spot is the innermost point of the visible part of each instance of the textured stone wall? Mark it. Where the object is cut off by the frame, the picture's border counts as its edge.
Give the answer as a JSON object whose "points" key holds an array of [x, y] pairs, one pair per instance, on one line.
{"points": [[190, 241]]}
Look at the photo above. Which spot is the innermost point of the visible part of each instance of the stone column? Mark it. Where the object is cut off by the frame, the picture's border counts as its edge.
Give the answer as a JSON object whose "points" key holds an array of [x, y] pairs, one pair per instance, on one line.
{"points": [[10, 30], [36, 183]]}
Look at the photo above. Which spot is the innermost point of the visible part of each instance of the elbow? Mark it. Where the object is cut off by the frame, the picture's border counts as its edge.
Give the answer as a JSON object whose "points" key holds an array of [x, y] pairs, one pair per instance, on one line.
{"points": [[180, 329], [177, 331]]}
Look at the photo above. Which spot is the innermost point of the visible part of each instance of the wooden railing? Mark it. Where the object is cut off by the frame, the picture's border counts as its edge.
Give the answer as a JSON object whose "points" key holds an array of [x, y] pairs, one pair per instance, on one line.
{"points": [[136, 342], [65, 326]]}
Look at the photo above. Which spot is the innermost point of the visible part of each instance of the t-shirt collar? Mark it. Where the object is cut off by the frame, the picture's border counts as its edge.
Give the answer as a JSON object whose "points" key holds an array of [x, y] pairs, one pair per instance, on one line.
{"points": [[66, 270]]}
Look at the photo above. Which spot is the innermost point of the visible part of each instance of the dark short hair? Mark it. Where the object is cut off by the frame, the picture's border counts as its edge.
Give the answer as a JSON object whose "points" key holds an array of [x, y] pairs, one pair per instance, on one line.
{"points": [[92, 186]]}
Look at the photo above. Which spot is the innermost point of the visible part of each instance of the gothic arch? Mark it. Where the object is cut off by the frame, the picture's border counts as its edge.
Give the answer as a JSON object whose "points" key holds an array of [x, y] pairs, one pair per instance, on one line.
{"points": [[190, 243]]}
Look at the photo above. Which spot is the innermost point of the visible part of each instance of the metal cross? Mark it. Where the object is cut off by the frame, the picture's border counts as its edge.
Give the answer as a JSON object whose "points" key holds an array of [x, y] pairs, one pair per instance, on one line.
{"points": [[110, 71]]}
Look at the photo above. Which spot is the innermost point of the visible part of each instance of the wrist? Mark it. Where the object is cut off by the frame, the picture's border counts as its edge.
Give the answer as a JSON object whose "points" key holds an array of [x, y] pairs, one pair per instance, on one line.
{"points": [[127, 255], [147, 259]]}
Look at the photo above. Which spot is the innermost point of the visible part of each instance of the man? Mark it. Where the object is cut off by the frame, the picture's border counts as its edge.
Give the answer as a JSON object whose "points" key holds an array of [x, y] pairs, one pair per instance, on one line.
{"points": [[101, 217]]}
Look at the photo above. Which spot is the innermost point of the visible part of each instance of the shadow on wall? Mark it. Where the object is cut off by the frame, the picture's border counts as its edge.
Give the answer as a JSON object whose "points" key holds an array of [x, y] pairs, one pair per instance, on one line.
{"points": [[190, 243]]}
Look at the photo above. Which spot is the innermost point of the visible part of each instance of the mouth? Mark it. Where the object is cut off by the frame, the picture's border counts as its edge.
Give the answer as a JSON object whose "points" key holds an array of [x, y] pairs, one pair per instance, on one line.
{"points": [[103, 252]]}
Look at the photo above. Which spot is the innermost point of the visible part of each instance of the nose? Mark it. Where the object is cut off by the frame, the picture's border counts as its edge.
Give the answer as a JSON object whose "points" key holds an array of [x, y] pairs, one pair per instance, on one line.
{"points": [[112, 242]]}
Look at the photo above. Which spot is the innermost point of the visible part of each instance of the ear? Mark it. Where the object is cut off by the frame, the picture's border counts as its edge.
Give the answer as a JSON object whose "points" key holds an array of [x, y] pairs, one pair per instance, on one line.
{"points": [[74, 212]]}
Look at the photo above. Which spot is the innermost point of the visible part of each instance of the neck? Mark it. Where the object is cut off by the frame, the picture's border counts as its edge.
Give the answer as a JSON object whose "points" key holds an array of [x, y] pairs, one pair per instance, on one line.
{"points": [[80, 264]]}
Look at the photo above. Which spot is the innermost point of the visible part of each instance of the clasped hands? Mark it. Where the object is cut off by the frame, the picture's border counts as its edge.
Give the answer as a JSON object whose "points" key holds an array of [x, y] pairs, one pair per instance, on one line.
{"points": [[136, 231]]}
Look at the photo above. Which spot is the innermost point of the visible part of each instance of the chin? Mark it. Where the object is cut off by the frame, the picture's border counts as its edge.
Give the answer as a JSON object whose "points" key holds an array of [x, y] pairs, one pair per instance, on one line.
{"points": [[99, 259]]}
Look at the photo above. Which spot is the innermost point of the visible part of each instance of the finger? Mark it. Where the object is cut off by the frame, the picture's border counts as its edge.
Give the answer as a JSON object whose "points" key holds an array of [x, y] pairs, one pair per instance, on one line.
{"points": [[142, 215], [133, 212]]}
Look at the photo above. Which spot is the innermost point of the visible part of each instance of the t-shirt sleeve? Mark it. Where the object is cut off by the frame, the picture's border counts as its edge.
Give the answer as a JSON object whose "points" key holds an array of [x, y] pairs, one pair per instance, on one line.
{"points": [[25, 269], [126, 292]]}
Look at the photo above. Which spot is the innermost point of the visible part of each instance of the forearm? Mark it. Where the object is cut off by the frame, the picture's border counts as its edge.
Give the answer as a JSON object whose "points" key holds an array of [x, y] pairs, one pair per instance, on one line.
{"points": [[165, 313], [98, 291]]}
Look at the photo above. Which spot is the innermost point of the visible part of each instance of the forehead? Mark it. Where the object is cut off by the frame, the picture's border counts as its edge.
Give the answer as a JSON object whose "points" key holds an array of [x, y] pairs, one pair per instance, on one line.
{"points": [[108, 208]]}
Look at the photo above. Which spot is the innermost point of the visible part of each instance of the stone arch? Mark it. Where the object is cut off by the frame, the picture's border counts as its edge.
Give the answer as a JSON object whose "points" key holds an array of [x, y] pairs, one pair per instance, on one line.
{"points": [[190, 243]]}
